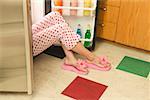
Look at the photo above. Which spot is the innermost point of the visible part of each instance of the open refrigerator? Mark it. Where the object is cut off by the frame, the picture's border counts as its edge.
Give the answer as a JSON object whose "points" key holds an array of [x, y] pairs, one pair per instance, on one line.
{"points": [[86, 21]]}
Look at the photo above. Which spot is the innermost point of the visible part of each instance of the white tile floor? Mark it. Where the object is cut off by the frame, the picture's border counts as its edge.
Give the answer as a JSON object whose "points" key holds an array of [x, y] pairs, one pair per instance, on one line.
{"points": [[50, 80]]}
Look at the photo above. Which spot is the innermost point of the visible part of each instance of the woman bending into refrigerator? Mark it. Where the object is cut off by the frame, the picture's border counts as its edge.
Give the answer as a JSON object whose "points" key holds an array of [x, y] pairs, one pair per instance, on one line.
{"points": [[52, 29]]}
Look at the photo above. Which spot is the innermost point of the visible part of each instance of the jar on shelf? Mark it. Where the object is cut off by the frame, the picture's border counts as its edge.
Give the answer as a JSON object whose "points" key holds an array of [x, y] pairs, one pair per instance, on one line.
{"points": [[87, 4], [80, 5], [74, 3], [66, 3], [58, 3]]}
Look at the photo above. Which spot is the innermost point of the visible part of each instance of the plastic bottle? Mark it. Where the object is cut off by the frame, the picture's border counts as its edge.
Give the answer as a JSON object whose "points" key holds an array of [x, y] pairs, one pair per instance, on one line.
{"points": [[87, 36], [87, 4], [58, 3], [80, 4], [66, 3], [74, 3], [79, 30]]}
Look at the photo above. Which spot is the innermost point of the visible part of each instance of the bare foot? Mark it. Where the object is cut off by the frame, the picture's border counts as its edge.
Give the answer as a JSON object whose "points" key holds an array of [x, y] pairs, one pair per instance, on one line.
{"points": [[74, 63], [95, 60]]}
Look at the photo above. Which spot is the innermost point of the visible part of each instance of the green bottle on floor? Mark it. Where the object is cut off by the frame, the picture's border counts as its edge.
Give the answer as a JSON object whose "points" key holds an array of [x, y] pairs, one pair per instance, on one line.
{"points": [[87, 36]]}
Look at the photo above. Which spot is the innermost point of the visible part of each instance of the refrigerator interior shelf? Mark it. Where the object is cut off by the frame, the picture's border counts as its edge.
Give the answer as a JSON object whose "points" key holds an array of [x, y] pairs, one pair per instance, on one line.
{"points": [[63, 7], [78, 8], [90, 40]]}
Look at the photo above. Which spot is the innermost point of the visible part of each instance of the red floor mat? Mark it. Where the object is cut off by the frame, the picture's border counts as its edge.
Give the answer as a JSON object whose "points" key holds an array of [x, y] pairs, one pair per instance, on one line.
{"points": [[84, 89]]}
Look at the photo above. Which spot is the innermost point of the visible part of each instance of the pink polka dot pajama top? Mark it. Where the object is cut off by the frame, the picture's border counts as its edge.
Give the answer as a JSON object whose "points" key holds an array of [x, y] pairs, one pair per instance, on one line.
{"points": [[50, 30]]}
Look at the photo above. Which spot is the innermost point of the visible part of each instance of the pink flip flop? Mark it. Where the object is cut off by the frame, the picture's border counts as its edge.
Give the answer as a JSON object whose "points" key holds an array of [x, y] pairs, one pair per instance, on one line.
{"points": [[82, 63], [75, 69], [94, 66], [102, 60]]}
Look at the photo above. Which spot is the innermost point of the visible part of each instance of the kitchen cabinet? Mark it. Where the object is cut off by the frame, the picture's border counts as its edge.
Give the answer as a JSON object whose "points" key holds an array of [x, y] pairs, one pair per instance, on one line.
{"points": [[115, 3], [134, 24], [125, 21], [107, 18]]}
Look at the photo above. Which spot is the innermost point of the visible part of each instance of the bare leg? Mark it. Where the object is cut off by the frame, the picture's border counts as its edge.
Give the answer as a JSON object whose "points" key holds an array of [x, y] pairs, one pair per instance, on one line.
{"points": [[80, 49], [70, 59]]}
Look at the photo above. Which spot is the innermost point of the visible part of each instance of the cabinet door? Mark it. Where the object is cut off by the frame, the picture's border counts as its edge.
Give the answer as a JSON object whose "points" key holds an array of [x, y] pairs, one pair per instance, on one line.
{"points": [[106, 31], [110, 2], [13, 62], [107, 19], [134, 24]]}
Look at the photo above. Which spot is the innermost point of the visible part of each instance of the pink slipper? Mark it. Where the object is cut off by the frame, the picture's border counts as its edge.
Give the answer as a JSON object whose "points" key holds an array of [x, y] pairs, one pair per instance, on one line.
{"points": [[82, 63], [75, 69], [104, 60], [94, 66]]}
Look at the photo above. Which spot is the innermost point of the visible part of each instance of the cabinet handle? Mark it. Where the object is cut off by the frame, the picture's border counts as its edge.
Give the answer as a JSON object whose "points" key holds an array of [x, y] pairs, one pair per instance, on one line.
{"points": [[102, 25], [103, 8]]}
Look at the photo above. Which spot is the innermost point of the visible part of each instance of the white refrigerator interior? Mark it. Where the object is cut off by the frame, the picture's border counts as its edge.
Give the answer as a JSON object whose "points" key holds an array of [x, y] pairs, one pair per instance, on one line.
{"points": [[80, 18], [37, 10]]}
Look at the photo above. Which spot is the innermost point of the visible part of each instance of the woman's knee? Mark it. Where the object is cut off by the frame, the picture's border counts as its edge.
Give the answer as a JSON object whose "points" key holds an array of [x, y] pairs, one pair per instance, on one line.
{"points": [[54, 14]]}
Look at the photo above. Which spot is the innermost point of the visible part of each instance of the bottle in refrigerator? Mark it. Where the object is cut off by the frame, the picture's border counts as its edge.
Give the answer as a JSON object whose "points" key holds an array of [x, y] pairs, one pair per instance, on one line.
{"points": [[81, 5], [66, 3], [74, 3], [87, 4], [87, 36], [58, 3], [79, 30]]}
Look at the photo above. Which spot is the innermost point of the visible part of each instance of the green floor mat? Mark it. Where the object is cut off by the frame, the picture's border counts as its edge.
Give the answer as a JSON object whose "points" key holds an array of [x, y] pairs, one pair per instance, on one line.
{"points": [[135, 66]]}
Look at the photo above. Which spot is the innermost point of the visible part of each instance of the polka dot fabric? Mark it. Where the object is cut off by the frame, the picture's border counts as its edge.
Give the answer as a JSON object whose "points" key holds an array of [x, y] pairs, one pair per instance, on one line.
{"points": [[49, 20], [50, 30]]}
